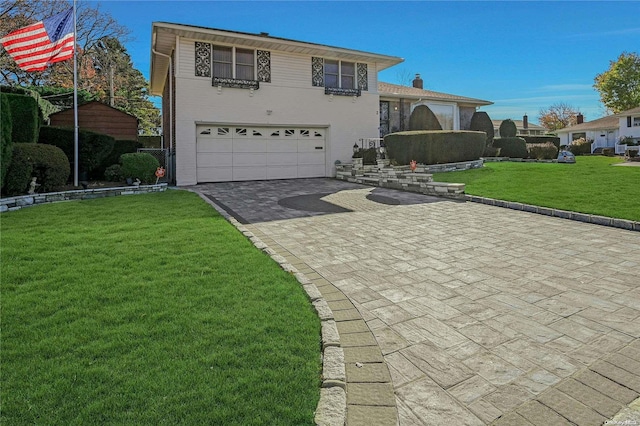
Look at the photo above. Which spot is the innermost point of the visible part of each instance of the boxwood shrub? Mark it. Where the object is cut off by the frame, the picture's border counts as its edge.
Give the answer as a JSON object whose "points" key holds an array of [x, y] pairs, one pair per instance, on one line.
{"points": [[25, 118], [511, 147], [542, 139], [542, 151], [6, 144], [435, 147], [508, 129], [93, 148], [45, 162], [480, 122], [580, 146], [119, 147], [139, 165], [422, 118]]}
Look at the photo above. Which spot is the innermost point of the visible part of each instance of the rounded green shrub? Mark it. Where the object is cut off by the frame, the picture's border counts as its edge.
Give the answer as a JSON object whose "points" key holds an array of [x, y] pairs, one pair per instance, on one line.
{"points": [[542, 139], [542, 151], [511, 147], [113, 173], [45, 162], [93, 148], [139, 165], [119, 147], [508, 129], [435, 147], [580, 146], [480, 122], [422, 118], [6, 144]]}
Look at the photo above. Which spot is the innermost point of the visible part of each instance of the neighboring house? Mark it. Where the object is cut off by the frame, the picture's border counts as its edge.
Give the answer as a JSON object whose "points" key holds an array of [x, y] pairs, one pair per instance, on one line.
{"points": [[398, 102], [100, 118], [523, 126], [605, 132], [240, 106]]}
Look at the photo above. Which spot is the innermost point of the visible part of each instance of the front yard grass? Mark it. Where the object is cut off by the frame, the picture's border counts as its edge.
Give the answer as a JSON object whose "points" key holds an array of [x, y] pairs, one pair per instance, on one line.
{"points": [[149, 309], [591, 185]]}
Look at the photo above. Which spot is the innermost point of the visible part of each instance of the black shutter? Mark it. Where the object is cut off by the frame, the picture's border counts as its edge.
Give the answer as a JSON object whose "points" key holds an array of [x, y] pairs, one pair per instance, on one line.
{"points": [[629, 121]]}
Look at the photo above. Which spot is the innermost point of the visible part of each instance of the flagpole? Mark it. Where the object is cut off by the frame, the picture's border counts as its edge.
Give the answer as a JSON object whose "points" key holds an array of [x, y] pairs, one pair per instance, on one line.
{"points": [[76, 158]]}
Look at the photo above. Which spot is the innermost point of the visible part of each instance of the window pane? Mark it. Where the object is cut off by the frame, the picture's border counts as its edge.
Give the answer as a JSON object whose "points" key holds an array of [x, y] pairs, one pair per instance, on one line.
{"points": [[348, 82], [331, 80], [222, 70], [222, 62], [244, 72], [244, 56], [330, 67], [348, 68], [222, 54]]}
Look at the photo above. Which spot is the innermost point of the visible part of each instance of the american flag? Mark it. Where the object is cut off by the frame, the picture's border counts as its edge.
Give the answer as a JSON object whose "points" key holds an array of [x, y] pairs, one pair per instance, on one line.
{"points": [[38, 45]]}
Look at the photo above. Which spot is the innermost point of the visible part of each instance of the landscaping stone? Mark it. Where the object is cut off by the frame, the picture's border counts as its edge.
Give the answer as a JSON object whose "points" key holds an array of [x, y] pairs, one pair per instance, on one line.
{"points": [[363, 415], [333, 364], [331, 410]]}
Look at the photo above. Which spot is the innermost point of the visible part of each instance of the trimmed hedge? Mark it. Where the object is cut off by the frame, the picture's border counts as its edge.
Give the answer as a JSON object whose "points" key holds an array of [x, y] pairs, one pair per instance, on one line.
{"points": [[46, 162], [508, 129], [542, 139], [93, 148], [580, 146], [139, 165], [369, 156], [6, 144], [25, 117], [511, 147], [422, 118], [435, 146], [119, 147], [542, 151], [480, 122]]}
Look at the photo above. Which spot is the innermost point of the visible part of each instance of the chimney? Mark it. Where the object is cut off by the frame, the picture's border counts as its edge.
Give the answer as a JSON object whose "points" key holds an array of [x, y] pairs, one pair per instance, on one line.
{"points": [[525, 122], [417, 82], [579, 118]]}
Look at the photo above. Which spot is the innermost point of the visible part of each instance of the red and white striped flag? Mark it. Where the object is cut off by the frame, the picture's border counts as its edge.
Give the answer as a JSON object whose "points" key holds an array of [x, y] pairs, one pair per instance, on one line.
{"points": [[39, 45]]}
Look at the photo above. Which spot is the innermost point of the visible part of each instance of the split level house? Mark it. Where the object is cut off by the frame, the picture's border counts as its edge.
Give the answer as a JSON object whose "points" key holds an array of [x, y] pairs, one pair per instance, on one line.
{"points": [[605, 132], [240, 106]]}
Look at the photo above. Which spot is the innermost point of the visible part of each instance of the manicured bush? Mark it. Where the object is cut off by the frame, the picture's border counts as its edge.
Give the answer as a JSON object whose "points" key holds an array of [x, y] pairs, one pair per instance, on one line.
{"points": [[608, 152], [542, 139], [435, 147], [508, 129], [6, 144], [139, 165], [113, 173], [25, 118], [580, 146], [93, 148], [368, 155], [542, 151], [481, 122], [490, 151], [45, 162], [511, 147], [119, 147], [422, 118]]}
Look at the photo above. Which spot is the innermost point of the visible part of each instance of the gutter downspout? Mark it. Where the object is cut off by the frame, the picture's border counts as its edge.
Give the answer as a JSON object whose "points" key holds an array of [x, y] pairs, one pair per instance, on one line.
{"points": [[170, 96]]}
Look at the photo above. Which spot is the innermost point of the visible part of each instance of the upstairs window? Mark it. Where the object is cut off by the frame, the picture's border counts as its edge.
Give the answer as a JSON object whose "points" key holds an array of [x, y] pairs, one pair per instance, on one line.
{"points": [[347, 75], [245, 64], [339, 77], [331, 73], [222, 62], [232, 63]]}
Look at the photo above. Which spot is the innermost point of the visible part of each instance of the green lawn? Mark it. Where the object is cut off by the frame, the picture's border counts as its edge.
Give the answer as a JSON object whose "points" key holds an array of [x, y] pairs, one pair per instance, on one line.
{"points": [[591, 185], [149, 309]]}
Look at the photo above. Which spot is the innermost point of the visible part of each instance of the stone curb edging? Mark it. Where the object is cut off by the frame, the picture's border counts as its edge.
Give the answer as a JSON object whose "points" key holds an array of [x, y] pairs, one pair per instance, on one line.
{"points": [[628, 225], [332, 406], [16, 203]]}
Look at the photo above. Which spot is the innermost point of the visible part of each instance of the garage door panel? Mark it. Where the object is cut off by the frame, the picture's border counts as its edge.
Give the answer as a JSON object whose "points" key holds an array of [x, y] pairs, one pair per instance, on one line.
{"points": [[249, 173], [282, 159], [311, 170], [282, 172], [282, 145], [311, 158], [214, 174], [249, 160], [310, 145], [249, 145], [214, 145], [208, 159]]}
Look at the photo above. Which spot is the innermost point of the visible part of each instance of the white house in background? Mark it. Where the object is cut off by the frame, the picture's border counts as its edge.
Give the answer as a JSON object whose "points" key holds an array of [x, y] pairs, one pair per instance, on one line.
{"points": [[239, 106], [398, 102], [605, 132]]}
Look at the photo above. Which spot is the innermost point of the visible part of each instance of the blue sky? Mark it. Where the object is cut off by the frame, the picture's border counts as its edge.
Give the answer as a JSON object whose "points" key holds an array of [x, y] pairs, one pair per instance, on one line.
{"points": [[523, 56]]}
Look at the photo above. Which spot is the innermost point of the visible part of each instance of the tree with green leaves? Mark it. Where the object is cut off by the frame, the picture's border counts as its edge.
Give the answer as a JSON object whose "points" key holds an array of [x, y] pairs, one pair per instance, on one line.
{"points": [[619, 86]]}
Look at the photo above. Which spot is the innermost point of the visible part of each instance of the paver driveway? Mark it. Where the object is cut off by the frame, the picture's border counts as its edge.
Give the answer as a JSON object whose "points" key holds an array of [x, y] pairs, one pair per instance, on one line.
{"points": [[482, 314]]}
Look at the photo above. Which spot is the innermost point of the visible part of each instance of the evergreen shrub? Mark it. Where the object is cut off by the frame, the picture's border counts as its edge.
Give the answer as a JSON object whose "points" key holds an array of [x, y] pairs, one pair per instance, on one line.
{"points": [[542, 151], [542, 139], [422, 118], [45, 162], [119, 147], [113, 173], [435, 147], [25, 118], [6, 144], [93, 148], [511, 147], [508, 129], [580, 146], [139, 165], [481, 122]]}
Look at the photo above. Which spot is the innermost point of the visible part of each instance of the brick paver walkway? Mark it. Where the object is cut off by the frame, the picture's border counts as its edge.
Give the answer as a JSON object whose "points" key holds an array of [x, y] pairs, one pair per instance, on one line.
{"points": [[483, 315]]}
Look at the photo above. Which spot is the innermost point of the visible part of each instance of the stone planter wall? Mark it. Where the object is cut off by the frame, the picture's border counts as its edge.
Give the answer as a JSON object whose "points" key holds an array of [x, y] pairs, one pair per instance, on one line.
{"points": [[16, 203]]}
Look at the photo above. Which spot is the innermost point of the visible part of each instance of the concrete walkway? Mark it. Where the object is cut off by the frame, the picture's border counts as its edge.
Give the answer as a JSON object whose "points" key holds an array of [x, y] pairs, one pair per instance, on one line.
{"points": [[482, 315]]}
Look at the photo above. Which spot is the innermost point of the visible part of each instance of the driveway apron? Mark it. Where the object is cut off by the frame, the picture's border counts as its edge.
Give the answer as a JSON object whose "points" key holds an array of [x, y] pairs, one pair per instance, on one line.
{"points": [[482, 315]]}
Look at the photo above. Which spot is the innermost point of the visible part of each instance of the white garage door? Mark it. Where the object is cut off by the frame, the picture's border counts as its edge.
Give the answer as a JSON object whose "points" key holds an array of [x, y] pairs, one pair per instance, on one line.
{"points": [[229, 153]]}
